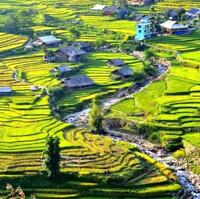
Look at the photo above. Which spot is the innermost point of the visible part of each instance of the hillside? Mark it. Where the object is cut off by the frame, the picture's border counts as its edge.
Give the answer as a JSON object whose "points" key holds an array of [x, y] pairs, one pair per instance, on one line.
{"points": [[95, 164]]}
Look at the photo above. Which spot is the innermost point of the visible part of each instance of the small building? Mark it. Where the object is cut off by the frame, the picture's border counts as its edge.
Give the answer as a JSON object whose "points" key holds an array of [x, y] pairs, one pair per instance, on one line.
{"points": [[143, 29], [63, 69], [173, 27], [124, 72], [140, 2], [119, 12], [116, 62], [98, 7], [193, 13], [5, 91], [122, 13], [70, 54], [49, 40], [34, 88], [85, 46], [78, 81], [110, 10]]}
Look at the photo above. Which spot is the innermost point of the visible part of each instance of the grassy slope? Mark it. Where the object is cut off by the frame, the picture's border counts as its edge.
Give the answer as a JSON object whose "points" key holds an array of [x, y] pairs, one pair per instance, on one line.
{"points": [[26, 120]]}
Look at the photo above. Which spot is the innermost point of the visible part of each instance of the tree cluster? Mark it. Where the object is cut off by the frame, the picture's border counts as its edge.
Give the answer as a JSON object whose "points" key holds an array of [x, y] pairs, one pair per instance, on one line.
{"points": [[19, 23]]}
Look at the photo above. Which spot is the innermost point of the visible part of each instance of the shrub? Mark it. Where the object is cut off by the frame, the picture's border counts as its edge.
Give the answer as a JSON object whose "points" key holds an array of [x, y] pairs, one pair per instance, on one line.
{"points": [[179, 154], [174, 144], [96, 116]]}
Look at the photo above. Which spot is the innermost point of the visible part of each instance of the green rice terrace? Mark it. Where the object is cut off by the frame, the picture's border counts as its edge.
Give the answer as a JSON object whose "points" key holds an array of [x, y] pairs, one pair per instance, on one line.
{"points": [[167, 4], [10, 42], [170, 106], [163, 112]]}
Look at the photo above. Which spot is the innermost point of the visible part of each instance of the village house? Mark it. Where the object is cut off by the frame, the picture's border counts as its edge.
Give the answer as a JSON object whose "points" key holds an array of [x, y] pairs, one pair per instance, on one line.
{"points": [[143, 29], [173, 27], [124, 72], [70, 54], [119, 12], [62, 69], [5, 91], [85, 46], [49, 40], [193, 13], [78, 81], [116, 62], [110, 10], [140, 2]]}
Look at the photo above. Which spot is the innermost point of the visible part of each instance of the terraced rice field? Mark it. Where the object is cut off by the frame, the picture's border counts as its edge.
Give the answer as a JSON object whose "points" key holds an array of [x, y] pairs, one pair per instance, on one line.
{"points": [[104, 22], [171, 105], [95, 166], [10, 41], [99, 156], [26, 118], [184, 43], [187, 4], [96, 68]]}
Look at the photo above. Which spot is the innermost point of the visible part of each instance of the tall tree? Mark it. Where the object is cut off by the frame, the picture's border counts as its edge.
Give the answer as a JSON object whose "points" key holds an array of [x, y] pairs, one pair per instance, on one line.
{"points": [[96, 116], [52, 157]]}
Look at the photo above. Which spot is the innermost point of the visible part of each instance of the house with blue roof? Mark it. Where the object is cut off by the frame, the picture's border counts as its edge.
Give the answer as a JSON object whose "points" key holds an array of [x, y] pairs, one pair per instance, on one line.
{"points": [[193, 13]]}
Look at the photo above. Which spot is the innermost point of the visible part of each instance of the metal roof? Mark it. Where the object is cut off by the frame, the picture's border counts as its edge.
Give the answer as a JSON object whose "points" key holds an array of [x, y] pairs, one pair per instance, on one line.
{"points": [[116, 62], [5, 89], [63, 68], [78, 81], [98, 7], [125, 71], [111, 9], [170, 24], [71, 51], [50, 39]]}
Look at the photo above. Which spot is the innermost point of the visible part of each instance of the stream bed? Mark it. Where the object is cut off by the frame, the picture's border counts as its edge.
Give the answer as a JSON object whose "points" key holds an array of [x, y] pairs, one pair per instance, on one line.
{"points": [[80, 119]]}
